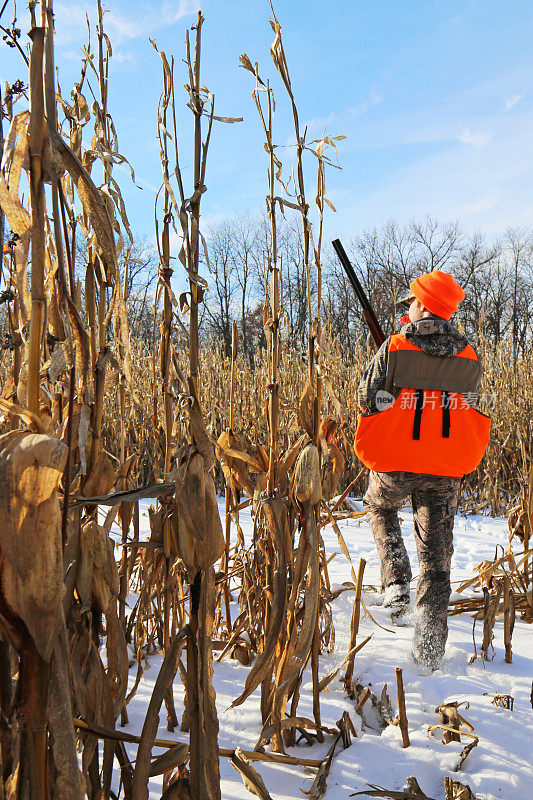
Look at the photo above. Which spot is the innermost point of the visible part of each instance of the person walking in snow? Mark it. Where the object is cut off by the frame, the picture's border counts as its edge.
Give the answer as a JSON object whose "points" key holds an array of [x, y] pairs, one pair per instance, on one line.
{"points": [[419, 432]]}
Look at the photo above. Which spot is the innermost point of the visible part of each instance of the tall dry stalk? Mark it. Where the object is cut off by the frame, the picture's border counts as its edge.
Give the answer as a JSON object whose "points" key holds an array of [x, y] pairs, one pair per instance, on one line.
{"points": [[36, 141], [195, 537], [293, 652]]}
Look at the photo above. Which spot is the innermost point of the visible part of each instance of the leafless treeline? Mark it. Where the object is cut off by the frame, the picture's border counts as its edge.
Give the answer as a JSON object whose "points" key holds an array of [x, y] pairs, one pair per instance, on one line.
{"points": [[497, 276]]}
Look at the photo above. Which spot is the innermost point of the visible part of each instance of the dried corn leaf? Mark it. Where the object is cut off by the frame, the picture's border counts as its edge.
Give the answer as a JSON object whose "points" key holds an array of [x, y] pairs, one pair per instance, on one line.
{"points": [[93, 206], [101, 478], [32, 420], [16, 148], [174, 757], [378, 791], [287, 460], [240, 455], [69, 779], [491, 604], [291, 722], [268, 516], [299, 647], [179, 790], [306, 410], [319, 786], [332, 460], [326, 680], [234, 469], [250, 777], [59, 362], [17, 216], [450, 717]]}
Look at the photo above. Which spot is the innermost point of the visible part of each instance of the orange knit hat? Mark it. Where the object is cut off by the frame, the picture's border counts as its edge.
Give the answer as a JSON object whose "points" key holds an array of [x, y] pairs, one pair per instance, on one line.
{"points": [[438, 292]]}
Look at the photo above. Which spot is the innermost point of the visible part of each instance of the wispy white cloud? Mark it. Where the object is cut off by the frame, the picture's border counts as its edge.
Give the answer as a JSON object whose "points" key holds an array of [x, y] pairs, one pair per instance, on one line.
{"points": [[476, 139], [461, 16], [125, 57], [141, 19], [170, 13], [413, 130], [478, 206], [487, 187], [336, 122], [141, 182], [364, 105], [71, 24], [68, 54], [512, 101], [439, 119]]}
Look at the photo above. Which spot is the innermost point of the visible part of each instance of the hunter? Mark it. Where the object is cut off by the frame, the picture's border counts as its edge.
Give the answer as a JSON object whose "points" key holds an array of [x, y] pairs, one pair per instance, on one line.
{"points": [[419, 433]]}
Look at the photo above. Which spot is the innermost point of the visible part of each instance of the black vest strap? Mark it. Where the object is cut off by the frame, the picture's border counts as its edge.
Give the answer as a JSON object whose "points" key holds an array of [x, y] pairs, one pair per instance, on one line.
{"points": [[446, 415], [418, 413]]}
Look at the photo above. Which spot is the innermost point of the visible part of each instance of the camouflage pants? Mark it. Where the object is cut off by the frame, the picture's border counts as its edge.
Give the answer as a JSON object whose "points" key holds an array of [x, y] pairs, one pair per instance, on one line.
{"points": [[434, 503]]}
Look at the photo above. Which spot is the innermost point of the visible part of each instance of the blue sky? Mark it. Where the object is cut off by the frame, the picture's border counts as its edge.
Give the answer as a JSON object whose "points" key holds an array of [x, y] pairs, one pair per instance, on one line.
{"points": [[434, 96]]}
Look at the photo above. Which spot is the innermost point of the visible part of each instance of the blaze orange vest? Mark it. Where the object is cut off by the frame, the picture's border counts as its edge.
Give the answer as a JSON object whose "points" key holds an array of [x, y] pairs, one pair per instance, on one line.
{"points": [[430, 427]]}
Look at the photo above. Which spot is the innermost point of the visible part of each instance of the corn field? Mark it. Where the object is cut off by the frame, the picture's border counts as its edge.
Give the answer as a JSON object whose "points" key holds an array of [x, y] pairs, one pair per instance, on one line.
{"points": [[93, 421], [493, 488]]}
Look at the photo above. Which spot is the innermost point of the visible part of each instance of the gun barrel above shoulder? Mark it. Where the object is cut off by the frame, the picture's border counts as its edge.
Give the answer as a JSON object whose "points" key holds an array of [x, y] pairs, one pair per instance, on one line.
{"points": [[369, 315]]}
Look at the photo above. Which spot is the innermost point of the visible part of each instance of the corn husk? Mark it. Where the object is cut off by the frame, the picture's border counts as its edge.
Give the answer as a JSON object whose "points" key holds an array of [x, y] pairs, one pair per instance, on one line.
{"points": [[307, 486], [98, 580], [332, 460], [195, 517], [101, 478], [31, 577]]}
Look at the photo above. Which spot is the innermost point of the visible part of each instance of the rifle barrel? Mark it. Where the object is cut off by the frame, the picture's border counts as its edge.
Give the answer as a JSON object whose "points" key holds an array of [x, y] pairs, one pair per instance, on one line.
{"points": [[369, 315]]}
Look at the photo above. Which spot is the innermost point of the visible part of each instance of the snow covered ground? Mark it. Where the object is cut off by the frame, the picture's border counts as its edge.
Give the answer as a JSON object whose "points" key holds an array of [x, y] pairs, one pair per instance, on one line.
{"points": [[499, 767]]}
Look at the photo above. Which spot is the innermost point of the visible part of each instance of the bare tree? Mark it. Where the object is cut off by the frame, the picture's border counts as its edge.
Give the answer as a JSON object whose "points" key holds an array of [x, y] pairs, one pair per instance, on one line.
{"points": [[518, 246], [437, 244], [245, 263], [221, 303], [473, 271], [140, 276]]}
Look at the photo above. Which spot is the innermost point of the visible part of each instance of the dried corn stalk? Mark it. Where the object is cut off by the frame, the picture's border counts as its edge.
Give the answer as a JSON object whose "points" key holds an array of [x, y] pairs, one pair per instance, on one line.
{"points": [[193, 531]]}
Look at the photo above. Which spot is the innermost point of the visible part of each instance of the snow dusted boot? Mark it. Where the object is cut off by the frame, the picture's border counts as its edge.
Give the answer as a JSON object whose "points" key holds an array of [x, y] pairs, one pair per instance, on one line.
{"points": [[396, 596], [429, 639], [431, 616]]}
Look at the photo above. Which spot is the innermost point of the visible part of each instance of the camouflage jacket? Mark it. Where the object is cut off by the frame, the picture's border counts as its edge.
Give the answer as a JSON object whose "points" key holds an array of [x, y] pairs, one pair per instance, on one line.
{"points": [[433, 335]]}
